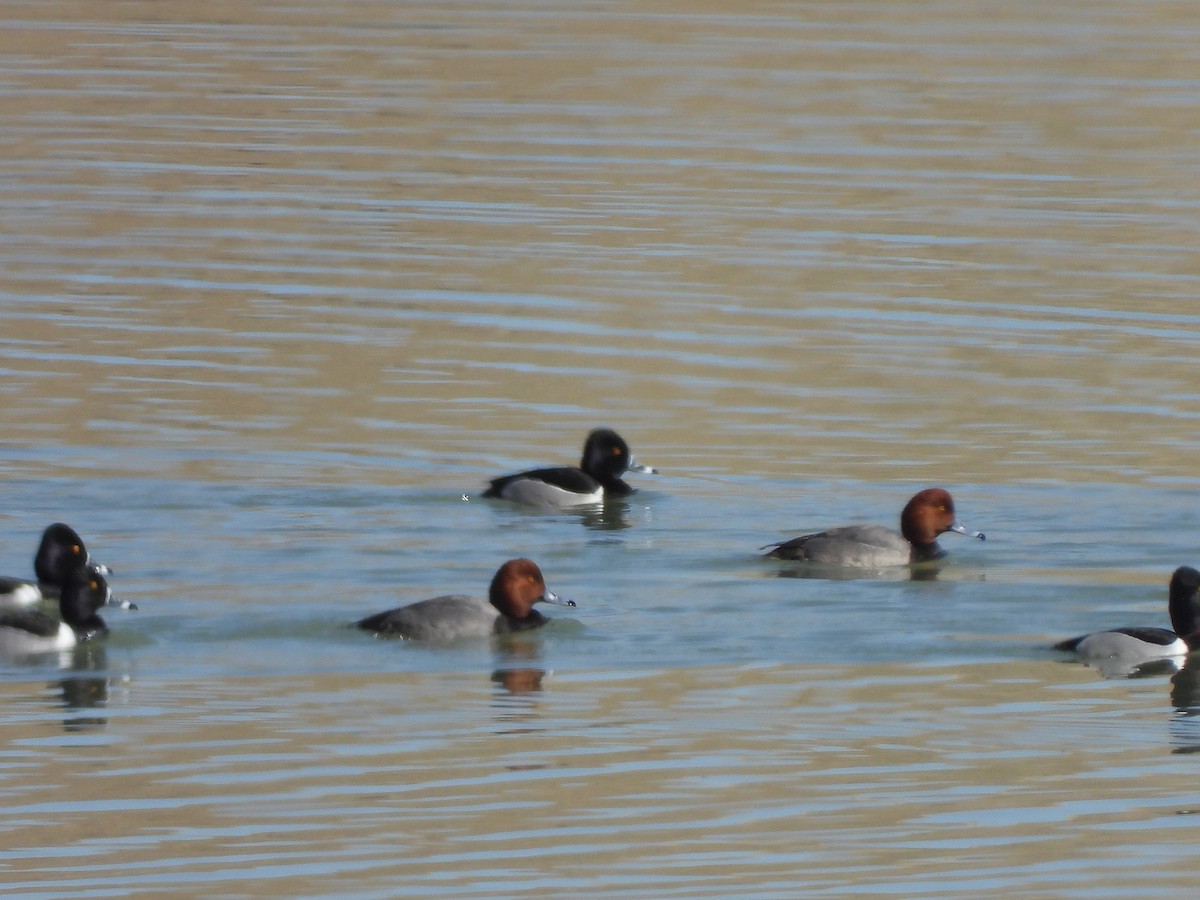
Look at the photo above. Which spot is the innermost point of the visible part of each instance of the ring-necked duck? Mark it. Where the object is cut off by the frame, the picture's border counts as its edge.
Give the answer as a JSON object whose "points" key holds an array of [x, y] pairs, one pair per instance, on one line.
{"points": [[60, 553], [1123, 650], [605, 459], [84, 591]]}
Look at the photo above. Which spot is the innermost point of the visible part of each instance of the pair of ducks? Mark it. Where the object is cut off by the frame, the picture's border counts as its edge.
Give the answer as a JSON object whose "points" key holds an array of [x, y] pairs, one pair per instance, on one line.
{"points": [[64, 572]]}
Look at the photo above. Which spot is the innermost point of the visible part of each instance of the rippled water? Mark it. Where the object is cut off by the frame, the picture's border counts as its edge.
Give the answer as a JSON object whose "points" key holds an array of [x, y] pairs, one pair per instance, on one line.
{"points": [[282, 285]]}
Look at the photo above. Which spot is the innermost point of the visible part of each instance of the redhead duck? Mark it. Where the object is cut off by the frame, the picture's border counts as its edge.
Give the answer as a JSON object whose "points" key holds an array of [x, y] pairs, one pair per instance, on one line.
{"points": [[1123, 651], [606, 458], [83, 592], [928, 514], [60, 553], [516, 586]]}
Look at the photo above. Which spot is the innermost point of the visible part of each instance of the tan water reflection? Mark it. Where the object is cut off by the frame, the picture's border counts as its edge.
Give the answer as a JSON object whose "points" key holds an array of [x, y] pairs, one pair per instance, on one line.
{"points": [[772, 778], [881, 238]]}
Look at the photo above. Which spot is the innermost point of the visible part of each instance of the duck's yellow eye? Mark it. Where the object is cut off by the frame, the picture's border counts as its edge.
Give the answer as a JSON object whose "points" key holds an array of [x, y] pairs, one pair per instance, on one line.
{"points": [[76, 549], [94, 585]]}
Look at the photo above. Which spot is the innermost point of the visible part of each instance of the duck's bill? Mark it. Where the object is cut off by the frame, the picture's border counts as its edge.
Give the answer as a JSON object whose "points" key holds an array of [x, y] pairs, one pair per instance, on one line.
{"points": [[959, 528], [637, 468], [113, 600], [551, 597]]}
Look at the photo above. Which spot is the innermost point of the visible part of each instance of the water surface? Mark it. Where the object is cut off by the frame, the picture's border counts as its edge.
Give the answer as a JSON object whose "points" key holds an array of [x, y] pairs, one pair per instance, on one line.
{"points": [[281, 286]]}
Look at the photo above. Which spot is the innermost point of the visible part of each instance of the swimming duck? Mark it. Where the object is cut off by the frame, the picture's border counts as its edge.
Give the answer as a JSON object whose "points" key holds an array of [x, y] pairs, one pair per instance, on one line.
{"points": [[515, 588], [928, 514], [606, 458], [1124, 650], [60, 552], [83, 592]]}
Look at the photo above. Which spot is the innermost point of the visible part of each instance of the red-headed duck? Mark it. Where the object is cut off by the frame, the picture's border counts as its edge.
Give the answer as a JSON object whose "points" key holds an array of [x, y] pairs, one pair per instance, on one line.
{"points": [[83, 592], [1123, 651], [606, 458], [928, 514], [516, 587], [60, 554]]}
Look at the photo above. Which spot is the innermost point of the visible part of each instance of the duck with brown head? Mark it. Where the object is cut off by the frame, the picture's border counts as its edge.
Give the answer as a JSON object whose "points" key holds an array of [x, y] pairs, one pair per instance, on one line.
{"points": [[515, 588], [927, 515]]}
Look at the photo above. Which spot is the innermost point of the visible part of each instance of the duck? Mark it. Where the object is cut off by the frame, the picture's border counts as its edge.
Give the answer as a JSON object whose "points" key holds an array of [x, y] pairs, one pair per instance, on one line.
{"points": [[515, 588], [606, 458], [83, 592], [1124, 651], [60, 552], [928, 514]]}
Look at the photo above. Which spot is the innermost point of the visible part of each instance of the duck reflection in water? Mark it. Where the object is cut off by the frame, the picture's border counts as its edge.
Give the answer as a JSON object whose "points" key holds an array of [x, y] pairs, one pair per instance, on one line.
{"points": [[927, 571], [611, 514], [1185, 697], [79, 687], [1185, 687], [83, 687], [518, 669], [518, 681]]}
